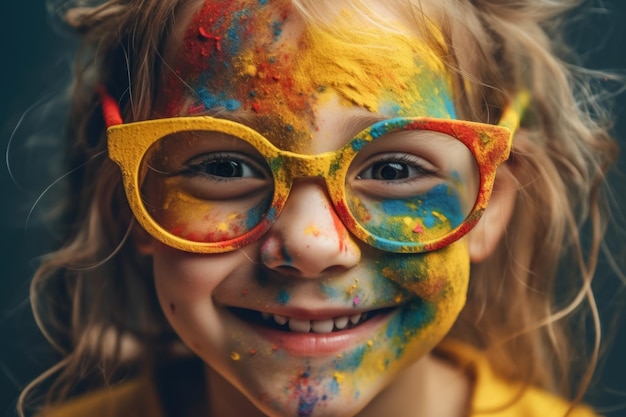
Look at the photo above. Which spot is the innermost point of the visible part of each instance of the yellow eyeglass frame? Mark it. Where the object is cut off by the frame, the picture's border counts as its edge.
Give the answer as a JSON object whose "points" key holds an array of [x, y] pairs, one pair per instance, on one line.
{"points": [[129, 142]]}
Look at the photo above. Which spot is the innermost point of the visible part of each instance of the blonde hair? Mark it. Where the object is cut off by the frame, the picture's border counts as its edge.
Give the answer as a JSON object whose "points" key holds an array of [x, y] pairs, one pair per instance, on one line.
{"points": [[96, 292]]}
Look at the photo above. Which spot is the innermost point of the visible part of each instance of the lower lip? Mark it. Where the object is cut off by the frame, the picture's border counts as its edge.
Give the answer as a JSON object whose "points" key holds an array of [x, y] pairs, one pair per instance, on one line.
{"points": [[319, 344]]}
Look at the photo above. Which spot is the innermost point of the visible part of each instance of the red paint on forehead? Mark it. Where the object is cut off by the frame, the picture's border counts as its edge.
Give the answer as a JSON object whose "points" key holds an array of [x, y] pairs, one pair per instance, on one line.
{"points": [[204, 34], [232, 50]]}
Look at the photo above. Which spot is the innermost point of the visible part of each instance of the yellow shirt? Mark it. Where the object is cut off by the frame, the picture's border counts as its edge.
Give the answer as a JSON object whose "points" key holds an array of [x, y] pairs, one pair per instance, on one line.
{"points": [[491, 397]]}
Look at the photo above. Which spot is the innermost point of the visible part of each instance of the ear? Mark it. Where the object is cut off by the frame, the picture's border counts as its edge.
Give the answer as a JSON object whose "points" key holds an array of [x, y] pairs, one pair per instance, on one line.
{"points": [[142, 240], [484, 238]]}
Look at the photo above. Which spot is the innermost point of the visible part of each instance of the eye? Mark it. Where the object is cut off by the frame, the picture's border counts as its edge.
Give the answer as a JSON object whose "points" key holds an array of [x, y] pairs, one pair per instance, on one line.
{"points": [[397, 167], [224, 166]]}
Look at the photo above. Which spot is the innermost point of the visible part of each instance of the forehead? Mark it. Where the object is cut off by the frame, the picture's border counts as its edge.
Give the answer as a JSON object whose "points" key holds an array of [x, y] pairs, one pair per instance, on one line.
{"points": [[260, 59]]}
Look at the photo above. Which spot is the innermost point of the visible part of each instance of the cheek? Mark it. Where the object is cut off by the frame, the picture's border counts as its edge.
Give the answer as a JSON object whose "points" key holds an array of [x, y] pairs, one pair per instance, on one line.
{"points": [[436, 277], [437, 286], [185, 281]]}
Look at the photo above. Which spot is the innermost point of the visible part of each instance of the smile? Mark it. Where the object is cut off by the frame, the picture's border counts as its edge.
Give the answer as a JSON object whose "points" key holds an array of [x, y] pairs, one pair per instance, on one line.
{"points": [[315, 326], [312, 337]]}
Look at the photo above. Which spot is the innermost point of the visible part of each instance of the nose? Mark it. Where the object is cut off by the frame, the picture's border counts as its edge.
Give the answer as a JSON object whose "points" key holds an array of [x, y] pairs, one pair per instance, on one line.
{"points": [[308, 239]]}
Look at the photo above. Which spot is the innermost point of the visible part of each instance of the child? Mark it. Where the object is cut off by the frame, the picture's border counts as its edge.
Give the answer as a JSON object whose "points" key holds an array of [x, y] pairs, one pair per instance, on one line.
{"points": [[291, 218]]}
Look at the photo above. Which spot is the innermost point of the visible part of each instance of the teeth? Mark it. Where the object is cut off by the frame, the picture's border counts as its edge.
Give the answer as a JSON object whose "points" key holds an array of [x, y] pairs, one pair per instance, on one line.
{"points": [[341, 322], [323, 326], [316, 326], [280, 319], [299, 326], [354, 319]]}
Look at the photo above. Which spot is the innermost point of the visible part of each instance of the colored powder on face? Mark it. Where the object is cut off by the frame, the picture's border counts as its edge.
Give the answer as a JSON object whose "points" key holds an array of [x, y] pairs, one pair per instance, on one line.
{"points": [[329, 291], [256, 214], [351, 361], [367, 77], [283, 297], [212, 101], [404, 326], [338, 377], [286, 81], [278, 29], [306, 404], [439, 211]]}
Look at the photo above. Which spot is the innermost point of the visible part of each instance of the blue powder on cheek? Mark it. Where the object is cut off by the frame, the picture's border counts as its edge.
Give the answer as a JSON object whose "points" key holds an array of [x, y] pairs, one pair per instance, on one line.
{"points": [[283, 297], [330, 292], [256, 214], [409, 322], [439, 199], [351, 361]]}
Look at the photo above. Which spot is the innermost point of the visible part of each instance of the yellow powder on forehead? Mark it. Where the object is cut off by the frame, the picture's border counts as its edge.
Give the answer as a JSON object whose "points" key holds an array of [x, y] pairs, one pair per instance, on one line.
{"points": [[366, 67]]}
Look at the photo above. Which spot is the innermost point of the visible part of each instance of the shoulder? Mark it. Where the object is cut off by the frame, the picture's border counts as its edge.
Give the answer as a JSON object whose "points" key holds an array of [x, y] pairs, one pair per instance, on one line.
{"points": [[494, 396], [135, 398]]}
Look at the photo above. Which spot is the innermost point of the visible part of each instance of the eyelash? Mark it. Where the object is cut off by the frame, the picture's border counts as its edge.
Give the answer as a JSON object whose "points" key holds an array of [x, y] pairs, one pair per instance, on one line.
{"points": [[413, 161], [193, 167]]}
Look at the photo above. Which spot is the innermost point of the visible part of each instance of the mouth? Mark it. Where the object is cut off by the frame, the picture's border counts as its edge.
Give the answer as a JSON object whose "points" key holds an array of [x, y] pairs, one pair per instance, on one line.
{"points": [[336, 324]]}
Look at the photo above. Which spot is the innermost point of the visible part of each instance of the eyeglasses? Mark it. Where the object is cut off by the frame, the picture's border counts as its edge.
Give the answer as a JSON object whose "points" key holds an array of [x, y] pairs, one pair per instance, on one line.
{"points": [[407, 185]]}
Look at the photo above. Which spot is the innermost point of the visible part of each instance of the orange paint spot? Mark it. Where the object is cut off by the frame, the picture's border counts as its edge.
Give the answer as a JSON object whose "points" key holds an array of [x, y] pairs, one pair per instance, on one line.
{"points": [[342, 233]]}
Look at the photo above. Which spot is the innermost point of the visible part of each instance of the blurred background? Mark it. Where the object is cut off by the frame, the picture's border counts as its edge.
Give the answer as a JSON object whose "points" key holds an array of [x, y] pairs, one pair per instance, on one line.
{"points": [[37, 67]]}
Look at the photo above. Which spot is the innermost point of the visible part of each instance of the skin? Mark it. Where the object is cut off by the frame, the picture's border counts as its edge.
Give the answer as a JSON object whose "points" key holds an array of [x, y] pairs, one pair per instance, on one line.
{"points": [[308, 266]]}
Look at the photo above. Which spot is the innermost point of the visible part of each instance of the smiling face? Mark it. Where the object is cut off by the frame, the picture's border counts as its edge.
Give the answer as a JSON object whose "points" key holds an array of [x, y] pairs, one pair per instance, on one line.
{"points": [[309, 320]]}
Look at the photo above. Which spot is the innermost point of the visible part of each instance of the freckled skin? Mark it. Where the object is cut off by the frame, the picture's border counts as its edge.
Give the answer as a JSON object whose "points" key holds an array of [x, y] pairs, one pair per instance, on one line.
{"points": [[237, 57]]}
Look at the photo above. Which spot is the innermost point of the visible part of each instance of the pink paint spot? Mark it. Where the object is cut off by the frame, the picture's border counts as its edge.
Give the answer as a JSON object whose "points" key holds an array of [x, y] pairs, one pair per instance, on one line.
{"points": [[418, 229], [196, 108], [356, 301]]}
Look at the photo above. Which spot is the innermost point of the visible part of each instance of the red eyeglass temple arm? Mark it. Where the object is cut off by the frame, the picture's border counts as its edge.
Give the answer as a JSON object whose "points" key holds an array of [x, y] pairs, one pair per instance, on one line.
{"points": [[110, 108]]}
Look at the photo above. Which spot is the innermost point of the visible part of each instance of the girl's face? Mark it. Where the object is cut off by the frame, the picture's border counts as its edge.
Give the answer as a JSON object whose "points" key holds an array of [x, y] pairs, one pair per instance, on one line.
{"points": [[308, 320]]}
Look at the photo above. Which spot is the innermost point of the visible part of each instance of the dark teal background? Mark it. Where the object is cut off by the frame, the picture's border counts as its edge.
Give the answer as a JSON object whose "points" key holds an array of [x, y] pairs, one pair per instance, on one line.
{"points": [[35, 63]]}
